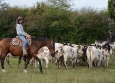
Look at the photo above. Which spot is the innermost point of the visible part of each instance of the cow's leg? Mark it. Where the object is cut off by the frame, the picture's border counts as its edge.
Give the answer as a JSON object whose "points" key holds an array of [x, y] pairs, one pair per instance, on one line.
{"points": [[8, 61], [103, 61], [55, 62], [107, 60], [74, 62], [32, 62], [58, 62], [99, 63], [36, 64], [65, 59], [47, 62], [90, 63]]}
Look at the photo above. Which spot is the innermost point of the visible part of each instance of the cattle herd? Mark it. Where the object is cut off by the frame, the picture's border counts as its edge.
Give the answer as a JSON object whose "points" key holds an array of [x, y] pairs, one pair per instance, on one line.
{"points": [[89, 55]]}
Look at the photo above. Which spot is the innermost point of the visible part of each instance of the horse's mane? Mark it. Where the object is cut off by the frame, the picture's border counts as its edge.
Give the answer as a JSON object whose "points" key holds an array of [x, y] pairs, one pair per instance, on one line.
{"points": [[0, 39], [41, 38]]}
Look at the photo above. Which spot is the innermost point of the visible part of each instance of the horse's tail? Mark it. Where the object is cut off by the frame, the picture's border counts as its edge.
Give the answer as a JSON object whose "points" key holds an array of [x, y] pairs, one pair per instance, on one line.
{"points": [[0, 50]]}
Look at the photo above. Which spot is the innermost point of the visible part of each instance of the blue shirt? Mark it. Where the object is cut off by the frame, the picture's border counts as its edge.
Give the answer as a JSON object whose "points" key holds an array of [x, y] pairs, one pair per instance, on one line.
{"points": [[20, 30]]}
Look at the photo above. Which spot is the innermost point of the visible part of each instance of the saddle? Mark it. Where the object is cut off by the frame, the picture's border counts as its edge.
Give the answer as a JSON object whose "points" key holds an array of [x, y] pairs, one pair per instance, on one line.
{"points": [[112, 43], [18, 42]]}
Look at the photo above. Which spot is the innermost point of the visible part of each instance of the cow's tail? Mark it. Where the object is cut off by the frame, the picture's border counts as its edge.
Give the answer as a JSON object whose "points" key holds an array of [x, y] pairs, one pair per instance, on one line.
{"points": [[90, 51]]}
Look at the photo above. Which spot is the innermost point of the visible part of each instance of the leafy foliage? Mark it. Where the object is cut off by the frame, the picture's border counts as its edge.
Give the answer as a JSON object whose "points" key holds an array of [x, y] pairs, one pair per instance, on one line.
{"points": [[56, 19]]}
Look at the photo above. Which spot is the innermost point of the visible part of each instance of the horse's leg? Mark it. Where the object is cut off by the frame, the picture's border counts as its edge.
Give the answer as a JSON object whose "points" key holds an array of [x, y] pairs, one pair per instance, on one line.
{"points": [[26, 64], [25, 60], [39, 63], [2, 65], [114, 52], [19, 61]]}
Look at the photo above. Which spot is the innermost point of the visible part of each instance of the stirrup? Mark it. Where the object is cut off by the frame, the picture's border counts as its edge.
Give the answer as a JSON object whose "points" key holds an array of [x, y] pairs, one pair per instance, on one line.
{"points": [[25, 52]]}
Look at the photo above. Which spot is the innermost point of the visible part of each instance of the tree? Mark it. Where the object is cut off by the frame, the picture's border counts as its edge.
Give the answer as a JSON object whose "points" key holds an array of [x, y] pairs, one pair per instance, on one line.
{"points": [[62, 4], [3, 5], [111, 11]]}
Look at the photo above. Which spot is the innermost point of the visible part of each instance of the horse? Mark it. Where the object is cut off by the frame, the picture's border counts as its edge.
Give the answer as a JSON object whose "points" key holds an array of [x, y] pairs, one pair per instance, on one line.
{"points": [[7, 47], [99, 42]]}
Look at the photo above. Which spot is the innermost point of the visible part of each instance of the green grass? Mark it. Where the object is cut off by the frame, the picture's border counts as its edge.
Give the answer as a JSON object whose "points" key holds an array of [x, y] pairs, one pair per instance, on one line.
{"points": [[81, 74]]}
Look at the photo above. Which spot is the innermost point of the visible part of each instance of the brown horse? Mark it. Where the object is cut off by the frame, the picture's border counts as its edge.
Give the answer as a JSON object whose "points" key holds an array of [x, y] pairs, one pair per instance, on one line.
{"points": [[7, 47]]}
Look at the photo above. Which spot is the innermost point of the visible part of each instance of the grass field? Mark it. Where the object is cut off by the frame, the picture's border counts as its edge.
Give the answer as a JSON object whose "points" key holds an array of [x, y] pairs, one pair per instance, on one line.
{"points": [[81, 74]]}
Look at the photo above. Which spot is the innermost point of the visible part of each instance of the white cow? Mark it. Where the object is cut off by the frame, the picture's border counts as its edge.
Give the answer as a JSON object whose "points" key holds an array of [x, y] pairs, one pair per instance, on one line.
{"points": [[94, 55], [69, 52]]}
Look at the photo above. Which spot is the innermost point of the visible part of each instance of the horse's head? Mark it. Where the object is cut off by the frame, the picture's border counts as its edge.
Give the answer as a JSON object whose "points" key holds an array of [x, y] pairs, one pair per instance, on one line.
{"points": [[51, 45], [47, 42]]}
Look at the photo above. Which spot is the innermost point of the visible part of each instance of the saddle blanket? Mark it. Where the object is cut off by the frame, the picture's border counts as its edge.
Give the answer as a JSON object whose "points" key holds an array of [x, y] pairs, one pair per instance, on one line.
{"points": [[17, 41]]}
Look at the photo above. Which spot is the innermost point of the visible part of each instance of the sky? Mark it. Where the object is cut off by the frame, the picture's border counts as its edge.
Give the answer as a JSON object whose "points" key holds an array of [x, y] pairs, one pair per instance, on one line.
{"points": [[77, 4]]}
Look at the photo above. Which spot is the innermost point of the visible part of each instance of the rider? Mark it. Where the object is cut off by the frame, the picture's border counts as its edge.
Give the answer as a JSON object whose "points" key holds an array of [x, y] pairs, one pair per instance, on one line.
{"points": [[110, 40], [21, 33]]}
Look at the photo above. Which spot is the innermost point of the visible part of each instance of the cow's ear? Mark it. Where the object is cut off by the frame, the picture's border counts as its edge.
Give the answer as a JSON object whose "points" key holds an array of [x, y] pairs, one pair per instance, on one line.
{"points": [[86, 46], [56, 51], [78, 46]]}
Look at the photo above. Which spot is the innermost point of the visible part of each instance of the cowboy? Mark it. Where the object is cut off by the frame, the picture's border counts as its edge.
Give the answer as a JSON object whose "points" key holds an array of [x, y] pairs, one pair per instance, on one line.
{"points": [[21, 33], [109, 40]]}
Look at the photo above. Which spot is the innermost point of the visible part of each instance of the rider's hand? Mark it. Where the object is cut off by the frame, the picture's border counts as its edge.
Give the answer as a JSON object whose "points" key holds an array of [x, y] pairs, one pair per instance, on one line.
{"points": [[28, 36]]}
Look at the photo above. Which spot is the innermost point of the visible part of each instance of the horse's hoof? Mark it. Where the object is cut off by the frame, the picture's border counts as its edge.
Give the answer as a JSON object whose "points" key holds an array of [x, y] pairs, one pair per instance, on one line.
{"points": [[41, 72], [58, 67], [3, 70], [25, 71]]}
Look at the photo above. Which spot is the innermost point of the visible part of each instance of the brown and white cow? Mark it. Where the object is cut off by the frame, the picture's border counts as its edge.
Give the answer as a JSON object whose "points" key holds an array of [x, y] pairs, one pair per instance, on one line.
{"points": [[44, 53]]}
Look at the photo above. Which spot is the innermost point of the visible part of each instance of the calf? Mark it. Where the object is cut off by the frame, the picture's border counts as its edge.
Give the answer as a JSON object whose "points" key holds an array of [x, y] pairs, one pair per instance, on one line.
{"points": [[69, 52], [107, 55], [58, 51], [44, 53]]}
